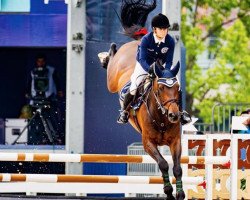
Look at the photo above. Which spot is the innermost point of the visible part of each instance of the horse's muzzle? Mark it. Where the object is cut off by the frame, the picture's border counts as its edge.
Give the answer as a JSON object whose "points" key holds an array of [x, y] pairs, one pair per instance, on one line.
{"points": [[173, 117]]}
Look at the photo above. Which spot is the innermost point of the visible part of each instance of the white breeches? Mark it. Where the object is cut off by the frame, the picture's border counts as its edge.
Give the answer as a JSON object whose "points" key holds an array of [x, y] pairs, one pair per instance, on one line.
{"points": [[137, 77]]}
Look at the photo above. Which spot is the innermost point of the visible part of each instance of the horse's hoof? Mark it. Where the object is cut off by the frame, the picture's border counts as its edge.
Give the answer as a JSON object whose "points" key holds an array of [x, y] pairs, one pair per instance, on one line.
{"points": [[113, 46], [168, 190], [112, 50], [180, 195]]}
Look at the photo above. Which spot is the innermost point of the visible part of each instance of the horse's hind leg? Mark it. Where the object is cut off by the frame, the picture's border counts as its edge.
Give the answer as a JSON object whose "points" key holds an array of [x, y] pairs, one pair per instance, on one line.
{"points": [[175, 149], [105, 57], [152, 150]]}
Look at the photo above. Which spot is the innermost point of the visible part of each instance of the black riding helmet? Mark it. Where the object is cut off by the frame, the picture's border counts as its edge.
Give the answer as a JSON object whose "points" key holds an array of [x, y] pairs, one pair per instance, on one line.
{"points": [[160, 21]]}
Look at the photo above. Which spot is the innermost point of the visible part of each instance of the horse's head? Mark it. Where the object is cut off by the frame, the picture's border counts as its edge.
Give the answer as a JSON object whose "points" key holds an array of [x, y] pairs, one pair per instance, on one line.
{"points": [[166, 91]]}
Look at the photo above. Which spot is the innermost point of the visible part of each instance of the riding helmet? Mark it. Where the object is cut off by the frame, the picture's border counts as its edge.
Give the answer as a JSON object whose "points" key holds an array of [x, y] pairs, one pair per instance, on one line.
{"points": [[160, 21]]}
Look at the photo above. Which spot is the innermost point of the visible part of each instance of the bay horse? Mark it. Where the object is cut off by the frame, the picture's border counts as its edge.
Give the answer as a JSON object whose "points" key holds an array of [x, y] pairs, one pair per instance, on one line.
{"points": [[157, 119]]}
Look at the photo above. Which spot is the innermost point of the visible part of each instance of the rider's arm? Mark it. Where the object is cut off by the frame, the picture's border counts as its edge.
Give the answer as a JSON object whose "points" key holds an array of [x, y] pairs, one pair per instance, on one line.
{"points": [[142, 54], [170, 54]]}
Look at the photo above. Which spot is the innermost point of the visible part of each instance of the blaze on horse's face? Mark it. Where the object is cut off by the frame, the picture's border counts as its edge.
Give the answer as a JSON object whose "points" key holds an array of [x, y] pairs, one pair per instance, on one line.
{"points": [[166, 89]]}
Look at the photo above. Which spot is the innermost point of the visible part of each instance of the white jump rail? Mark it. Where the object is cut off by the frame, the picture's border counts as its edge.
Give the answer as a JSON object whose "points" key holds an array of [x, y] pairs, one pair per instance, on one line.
{"points": [[55, 178], [106, 158], [31, 184]]}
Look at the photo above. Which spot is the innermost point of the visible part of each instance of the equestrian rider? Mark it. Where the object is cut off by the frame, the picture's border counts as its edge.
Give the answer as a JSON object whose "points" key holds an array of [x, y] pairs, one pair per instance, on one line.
{"points": [[156, 45]]}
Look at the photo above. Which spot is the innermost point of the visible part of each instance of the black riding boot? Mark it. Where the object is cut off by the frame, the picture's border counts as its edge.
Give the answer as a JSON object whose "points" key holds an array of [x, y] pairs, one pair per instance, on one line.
{"points": [[124, 114], [185, 117]]}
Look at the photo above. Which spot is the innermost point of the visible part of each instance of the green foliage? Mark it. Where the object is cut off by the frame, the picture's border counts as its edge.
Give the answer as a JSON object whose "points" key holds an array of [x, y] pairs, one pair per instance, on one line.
{"points": [[227, 80]]}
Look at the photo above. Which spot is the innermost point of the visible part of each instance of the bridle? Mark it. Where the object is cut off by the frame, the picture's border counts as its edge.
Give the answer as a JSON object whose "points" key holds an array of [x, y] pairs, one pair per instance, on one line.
{"points": [[160, 105], [162, 126]]}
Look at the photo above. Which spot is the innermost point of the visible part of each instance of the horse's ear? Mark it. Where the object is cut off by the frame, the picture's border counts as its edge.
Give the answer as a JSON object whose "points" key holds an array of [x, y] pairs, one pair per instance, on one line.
{"points": [[175, 69], [156, 70]]}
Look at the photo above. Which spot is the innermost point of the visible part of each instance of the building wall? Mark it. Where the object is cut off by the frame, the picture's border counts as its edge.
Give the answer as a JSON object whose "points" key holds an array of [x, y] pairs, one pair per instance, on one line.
{"points": [[43, 26]]}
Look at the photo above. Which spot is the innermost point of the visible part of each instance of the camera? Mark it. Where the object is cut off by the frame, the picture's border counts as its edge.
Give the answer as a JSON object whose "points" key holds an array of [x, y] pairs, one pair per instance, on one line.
{"points": [[41, 85]]}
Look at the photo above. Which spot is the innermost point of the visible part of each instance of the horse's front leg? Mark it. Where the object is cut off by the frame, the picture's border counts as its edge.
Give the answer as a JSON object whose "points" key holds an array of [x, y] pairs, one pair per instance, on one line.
{"points": [[152, 150], [175, 149]]}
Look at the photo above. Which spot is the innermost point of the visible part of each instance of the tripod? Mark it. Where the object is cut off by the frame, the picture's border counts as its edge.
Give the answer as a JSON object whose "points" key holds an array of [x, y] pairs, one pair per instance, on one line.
{"points": [[49, 130]]}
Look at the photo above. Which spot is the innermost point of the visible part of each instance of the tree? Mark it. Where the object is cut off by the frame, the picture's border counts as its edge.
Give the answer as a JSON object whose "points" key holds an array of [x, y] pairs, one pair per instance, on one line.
{"points": [[227, 80]]}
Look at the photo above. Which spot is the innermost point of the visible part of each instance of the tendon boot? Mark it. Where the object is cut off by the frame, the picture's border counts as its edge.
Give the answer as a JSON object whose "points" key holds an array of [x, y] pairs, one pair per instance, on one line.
{"points": [[185, 117], [124, 112]]}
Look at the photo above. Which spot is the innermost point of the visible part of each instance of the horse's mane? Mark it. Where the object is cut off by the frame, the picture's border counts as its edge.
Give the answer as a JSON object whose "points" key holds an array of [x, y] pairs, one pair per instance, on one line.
{"points": [[134, 15]]}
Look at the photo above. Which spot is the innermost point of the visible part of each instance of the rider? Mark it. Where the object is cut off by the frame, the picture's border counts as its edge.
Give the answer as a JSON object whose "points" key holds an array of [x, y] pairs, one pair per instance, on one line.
{"points": [[156, 45]]}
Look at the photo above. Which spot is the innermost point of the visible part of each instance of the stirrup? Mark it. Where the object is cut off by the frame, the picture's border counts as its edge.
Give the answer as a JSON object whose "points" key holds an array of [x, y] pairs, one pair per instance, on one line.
{"points": [[185, 118], [123, 117]]}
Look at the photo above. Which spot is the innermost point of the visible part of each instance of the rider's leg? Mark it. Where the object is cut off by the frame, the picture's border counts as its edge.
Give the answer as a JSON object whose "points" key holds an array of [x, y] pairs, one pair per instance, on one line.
{"points": [[124, 112], [185, 118], [136, 78]]}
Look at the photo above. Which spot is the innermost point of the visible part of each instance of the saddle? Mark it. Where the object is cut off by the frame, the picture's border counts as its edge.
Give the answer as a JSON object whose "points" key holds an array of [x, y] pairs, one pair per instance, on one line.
{"points": [[141, 92]]}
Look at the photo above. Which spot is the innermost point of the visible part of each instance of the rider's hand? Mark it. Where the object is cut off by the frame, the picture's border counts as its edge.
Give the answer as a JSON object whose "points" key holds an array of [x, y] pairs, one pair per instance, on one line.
{"points": [[151, 71], [159, 64]]}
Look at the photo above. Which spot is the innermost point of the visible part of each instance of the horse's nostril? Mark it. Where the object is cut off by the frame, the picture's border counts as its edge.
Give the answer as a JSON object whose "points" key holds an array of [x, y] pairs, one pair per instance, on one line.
{"points": [[173, 116]]}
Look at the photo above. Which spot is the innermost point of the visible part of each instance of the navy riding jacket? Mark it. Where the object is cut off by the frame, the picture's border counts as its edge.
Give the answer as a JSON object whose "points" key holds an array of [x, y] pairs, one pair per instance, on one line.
{"points": [[149, 51]]}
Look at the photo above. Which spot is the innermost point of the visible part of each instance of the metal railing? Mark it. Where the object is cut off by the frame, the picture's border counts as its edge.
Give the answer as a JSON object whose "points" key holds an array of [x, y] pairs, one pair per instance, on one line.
{"points": [[222, 115], [204, 127]]}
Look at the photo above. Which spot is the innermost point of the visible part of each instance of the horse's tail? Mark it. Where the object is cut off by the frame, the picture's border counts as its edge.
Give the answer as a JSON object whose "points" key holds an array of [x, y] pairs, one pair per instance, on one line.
{"points": [[134, 15]]}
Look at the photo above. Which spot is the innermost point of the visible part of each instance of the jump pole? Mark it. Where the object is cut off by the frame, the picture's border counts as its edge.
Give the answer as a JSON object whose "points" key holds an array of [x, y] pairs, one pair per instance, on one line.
{"points": [[106, 158], [54, 178]]}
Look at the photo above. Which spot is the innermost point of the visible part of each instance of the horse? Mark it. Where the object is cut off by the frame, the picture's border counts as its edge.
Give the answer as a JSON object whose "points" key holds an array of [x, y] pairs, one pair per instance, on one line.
{"points": [[157, 118]]}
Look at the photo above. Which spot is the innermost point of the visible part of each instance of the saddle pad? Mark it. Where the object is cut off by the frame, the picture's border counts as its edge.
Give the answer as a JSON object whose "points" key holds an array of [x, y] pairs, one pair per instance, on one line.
{"points": [[139, 96], [124, 90]]}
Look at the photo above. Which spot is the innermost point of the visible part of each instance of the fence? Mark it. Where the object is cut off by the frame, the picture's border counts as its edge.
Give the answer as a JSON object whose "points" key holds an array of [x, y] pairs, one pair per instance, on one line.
{"points": [[222, 117]]}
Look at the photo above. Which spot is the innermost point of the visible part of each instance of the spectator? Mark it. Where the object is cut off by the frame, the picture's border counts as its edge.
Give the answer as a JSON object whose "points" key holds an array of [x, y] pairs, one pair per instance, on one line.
{"points": [[246, 122], [42, 91], [43, 82]]}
